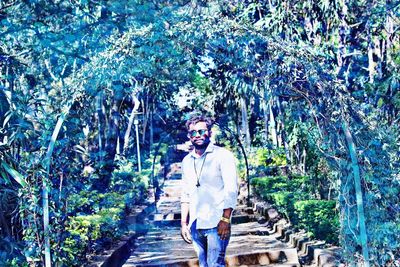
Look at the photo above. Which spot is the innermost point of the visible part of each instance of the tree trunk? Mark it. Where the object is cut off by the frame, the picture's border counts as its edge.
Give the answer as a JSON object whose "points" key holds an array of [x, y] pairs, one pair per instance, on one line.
{"points": [[359, 193], [371, 63], [390, 31], [151, 128], [100, 124], [347, 210], [120, 144], [107, 154], [146, 116], [245, 122], [283, 131], [272, 125], [266, 119], [110, 148], [304, 160], [136, 103], [341, 51]]}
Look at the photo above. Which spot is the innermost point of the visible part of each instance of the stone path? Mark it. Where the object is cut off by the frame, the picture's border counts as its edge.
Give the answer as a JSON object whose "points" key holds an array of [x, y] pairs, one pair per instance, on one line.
{"points": [[252, 243]]}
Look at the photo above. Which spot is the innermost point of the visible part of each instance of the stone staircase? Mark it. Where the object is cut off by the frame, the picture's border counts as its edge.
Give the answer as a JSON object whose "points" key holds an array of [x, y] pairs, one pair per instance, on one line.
{"points": [[259, 237]]}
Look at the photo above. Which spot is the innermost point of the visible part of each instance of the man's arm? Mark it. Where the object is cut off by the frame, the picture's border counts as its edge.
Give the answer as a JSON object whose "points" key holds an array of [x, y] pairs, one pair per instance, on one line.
{"points": [[185, 231], [230, 180], [224, 225], [184, 212], [227, 213], [229, 176]]}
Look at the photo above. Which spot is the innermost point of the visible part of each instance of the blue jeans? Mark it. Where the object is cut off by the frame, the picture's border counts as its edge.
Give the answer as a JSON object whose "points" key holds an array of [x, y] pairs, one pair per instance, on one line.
{"points": [[210, 248]]}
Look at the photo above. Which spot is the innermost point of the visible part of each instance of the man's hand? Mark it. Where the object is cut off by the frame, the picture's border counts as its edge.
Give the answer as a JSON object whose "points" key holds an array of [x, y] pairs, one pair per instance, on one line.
{"points": [[224, 230], [185, 233]]}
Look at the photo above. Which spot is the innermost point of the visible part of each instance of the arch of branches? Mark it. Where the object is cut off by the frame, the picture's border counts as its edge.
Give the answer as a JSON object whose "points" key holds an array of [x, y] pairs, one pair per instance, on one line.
{"points": [[356, 146], [72, 90]]}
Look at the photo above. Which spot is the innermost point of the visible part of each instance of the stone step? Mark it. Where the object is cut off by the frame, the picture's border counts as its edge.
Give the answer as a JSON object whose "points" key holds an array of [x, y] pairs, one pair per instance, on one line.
{"points": [[163, 246], [161, 250], [165, 216], [171, 192], [286, 256], [278, 257], [327, 257], [239, 219], [175, 176]]}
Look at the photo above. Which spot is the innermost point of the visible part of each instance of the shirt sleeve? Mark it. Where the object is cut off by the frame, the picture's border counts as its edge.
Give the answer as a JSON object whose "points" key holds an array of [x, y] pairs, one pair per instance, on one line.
{"points": [[184, 184], [230, 179]]}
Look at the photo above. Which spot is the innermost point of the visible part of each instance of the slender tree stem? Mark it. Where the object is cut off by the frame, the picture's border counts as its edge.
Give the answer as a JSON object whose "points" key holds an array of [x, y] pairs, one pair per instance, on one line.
{"points": [[47, 161], [359, 195]]}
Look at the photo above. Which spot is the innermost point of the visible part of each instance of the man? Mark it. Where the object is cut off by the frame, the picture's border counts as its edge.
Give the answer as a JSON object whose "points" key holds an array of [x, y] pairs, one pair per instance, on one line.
{"points": [[209, 194]]}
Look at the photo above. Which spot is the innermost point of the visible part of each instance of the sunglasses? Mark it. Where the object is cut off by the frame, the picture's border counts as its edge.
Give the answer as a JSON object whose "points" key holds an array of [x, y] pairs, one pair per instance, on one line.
{"points": [[200, 132]]}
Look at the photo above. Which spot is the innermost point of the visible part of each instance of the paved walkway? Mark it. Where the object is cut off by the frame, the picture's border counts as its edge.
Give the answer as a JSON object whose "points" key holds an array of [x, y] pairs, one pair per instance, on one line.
{"points": [[252, 242]]}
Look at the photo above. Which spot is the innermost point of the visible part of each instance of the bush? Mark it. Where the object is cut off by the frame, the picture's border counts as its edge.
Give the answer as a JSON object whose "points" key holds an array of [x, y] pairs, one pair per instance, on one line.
{"points": [[125, 178], [283, 201], [266, 161], [86, 234], [132, 186], [96, 219], [270, 157], [263, 186], [301, 185], [293, 198], [319, 218]]}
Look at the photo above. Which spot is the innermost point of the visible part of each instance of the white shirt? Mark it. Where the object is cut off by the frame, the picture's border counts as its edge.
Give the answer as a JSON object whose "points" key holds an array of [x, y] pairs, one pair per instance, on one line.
{"points": [[218, 188]]}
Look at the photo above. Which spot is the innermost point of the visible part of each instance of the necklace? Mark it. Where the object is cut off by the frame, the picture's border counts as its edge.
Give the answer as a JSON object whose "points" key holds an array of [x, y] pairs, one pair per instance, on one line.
{"points": [[198, 175]]}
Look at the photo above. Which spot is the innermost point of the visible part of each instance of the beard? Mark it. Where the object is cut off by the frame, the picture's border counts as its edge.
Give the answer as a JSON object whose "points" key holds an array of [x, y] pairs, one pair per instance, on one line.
{"points": [[202, 145]]}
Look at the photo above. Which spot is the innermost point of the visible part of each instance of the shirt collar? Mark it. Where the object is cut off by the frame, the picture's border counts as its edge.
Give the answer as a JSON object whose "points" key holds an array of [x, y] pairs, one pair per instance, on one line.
{"points": [[209, 149]]}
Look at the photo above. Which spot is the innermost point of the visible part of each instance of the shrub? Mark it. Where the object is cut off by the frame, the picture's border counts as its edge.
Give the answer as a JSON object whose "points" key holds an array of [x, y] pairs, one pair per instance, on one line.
{"points": [[266, 161], [294, 198], [319, 218], [283, 201], [125, 178], [270, 157], [96, 219], [86, 234], [301, 185], [262, 186], [131, 185]]}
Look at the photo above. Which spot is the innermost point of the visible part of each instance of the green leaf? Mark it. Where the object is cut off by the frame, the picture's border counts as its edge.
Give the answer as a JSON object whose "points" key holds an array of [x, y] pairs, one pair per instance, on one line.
{"points": [[16, 175], [4, 175], [380, 102]]}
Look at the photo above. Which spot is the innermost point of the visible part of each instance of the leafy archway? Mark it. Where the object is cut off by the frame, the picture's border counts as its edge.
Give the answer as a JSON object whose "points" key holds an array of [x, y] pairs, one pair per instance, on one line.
{"points": [[331, 68]]}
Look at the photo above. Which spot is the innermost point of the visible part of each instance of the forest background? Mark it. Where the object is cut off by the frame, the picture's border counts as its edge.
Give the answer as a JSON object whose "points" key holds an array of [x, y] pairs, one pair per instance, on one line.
{"points": [[310, 84]]}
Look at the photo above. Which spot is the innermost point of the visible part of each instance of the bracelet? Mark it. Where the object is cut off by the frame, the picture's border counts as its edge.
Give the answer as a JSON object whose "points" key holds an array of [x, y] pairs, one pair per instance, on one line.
{"points": [[225, 220]]}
